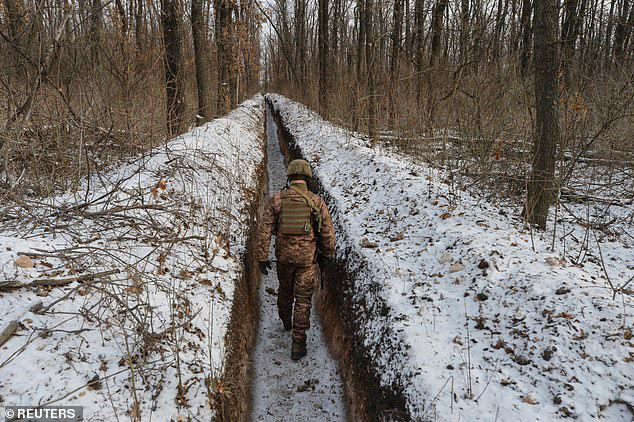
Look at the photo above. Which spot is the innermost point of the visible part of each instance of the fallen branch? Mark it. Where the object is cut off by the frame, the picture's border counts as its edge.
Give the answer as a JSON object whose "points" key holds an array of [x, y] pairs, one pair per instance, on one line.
{"points": [[10, 284], [64, 281], [8, 332], [121, 209], [570, 195]]}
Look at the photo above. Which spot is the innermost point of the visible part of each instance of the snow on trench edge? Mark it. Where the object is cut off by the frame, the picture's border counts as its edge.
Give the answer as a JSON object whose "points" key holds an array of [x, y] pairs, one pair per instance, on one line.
{"points": [[209, 180], [545, 341]]}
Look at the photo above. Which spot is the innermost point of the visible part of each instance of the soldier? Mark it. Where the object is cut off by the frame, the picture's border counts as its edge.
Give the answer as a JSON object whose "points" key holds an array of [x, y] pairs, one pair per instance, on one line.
{"points": [[304, 235]]}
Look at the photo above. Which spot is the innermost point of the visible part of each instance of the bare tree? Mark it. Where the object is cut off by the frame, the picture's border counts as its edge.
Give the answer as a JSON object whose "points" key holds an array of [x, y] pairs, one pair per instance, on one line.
{"points": [[397, 30], [200, 53], [173, 65], [323, 54], [541, 182], [224, 10], [438, 14], [371, 58]]}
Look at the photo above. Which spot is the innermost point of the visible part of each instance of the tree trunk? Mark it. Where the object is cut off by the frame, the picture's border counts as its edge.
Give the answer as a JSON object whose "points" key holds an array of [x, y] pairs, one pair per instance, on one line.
{"points": [[464, 30], [621, 32], [361, 39], [15, 22], [436, 28], [527, 33], [420, 52], [224, 33], [608, 35], [360, 61], [139, 27], [541, 183], [96, 27], [200, 54], [408, 32], [370, 54], [173, 64], [397, 29], [323, 56], [569, 33], [300, 41]]}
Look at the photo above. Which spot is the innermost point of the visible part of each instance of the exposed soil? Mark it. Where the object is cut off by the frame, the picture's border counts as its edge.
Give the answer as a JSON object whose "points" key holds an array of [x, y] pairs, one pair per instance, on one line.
{"points": [[234, 404]]}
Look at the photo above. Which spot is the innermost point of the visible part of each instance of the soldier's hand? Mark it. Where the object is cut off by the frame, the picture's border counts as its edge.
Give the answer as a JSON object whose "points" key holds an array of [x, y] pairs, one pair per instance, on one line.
{"points": [[265, 266]]}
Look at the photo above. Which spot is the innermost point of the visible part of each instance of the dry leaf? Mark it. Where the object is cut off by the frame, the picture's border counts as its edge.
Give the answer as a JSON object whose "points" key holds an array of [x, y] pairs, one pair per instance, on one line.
{"points": [[368, 244], [529, 399], [446, 257], [445, 215], [455, 267], [162, 185], [135, 289], [24, 261], [399, 236]]}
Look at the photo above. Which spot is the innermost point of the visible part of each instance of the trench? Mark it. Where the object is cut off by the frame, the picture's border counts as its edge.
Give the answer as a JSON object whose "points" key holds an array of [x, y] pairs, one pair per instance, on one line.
{"points": [[342, 319], [310, 389]]}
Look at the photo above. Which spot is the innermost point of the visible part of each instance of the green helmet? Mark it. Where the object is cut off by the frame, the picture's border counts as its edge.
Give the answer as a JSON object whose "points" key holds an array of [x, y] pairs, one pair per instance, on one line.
{"points": [[299, 167]]}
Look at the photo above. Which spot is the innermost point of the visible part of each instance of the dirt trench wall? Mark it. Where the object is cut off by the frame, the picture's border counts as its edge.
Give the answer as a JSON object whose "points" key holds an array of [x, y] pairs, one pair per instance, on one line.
{"points": [[342, 318], [234, 404]]}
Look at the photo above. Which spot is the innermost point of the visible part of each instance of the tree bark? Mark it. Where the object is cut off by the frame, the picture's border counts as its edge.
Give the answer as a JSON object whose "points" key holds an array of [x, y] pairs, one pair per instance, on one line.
{"points": [[173, 65], [397, 29], [300, 41], [438, 14], [15, 23], [371, 64], [527, 33], [96, 27], [541, 182], [200, 54], [420, 52], [621, 32], [323, 55], [224, 52]]}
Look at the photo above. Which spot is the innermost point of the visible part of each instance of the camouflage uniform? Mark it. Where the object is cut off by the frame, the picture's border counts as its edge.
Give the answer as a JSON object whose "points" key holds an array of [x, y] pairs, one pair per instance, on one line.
{"points": [[296, 268]]}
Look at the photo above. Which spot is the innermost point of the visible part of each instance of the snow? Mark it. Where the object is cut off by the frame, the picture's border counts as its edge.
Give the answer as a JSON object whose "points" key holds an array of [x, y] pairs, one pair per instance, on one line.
{"points": [[175, 223], [466, 310], [309, 390]]}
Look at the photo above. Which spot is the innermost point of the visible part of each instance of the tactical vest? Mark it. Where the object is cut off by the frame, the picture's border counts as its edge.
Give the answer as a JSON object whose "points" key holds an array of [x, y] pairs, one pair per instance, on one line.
{"points": [[295, 215]]}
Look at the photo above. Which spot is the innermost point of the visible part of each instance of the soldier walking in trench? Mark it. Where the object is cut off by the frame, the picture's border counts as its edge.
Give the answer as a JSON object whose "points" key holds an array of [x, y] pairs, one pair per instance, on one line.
{"points": [[305, 236]]}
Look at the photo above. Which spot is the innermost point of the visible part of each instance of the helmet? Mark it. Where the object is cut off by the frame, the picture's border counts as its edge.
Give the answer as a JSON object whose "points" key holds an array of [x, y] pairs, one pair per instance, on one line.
{"points": [[299, 167]]}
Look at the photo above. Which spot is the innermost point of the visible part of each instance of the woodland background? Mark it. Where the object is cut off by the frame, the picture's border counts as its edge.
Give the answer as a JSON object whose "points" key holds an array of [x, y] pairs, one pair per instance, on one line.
{"points": [[512, 94]]}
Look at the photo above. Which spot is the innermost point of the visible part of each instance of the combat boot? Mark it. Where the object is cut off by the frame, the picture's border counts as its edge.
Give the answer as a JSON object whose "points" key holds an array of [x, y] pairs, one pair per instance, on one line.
{"points": [[298, 350]]}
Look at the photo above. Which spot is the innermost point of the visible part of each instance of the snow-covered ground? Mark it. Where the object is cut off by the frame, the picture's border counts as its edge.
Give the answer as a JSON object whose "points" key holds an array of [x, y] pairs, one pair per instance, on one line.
{"points": [[309, 390], [465, 310], [158, 246]]}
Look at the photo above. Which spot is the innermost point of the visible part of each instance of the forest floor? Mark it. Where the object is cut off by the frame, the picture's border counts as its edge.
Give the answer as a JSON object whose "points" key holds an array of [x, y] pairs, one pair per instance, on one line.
{"points": [[118, 297], [309, 390]]}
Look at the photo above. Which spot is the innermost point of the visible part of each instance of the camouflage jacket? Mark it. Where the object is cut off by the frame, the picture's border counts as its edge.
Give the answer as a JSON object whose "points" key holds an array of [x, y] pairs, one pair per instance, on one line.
{"points": [[296, 249]]}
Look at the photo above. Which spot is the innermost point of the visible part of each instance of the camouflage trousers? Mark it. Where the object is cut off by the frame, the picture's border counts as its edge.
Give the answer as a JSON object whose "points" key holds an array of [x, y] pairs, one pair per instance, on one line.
{"points": [[296, 284]]}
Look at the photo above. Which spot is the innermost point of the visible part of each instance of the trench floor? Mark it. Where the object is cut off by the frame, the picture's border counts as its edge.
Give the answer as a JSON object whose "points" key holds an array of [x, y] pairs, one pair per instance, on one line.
{"points": [[283, 390]]}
